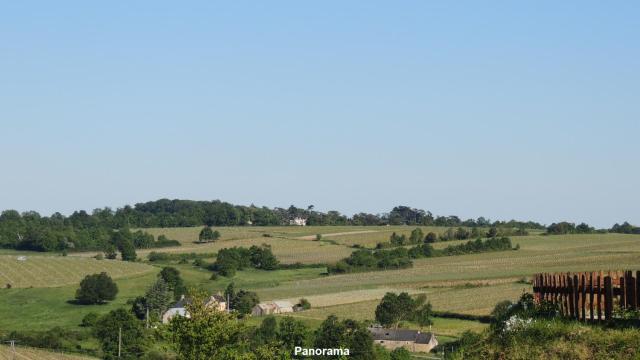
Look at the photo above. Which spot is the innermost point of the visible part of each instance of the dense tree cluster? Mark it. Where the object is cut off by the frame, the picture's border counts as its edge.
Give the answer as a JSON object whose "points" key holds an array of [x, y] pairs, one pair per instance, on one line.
{"points": [[478, 245], [366, 260], [404, 215], [401, 257], [625, 228], [241, 300], [230, 260], [95, 230], [80, 231], [569, 228], [121, 335], [394, 308], [90, 231]]}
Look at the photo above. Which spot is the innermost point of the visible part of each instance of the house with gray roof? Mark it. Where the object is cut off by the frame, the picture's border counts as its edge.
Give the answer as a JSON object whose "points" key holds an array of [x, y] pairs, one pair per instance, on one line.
{"points": [[412, 340]]}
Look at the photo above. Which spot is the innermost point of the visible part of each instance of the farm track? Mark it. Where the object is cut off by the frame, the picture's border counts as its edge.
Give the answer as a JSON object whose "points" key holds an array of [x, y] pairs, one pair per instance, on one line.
{"points": [[312, 237]]}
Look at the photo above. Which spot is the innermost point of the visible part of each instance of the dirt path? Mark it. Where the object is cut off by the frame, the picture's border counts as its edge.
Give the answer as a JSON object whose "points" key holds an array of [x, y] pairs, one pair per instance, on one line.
{"points": [[312, 237]]}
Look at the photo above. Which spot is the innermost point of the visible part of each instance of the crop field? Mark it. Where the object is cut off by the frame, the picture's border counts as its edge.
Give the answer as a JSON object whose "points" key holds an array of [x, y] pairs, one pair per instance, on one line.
{"points": [[50, 271], [25, 353], [381, 234], [189, 235], [286, 250], [466, 284]]}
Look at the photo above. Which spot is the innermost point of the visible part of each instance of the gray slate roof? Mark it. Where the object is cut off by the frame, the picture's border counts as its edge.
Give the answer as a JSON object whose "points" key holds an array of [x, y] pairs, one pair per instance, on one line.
{"points": [[416, 336]]}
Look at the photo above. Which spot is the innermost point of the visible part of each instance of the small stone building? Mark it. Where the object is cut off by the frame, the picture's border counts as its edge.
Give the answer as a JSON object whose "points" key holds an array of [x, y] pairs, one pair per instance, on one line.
{"points": [[412, 340], [275, 307]]}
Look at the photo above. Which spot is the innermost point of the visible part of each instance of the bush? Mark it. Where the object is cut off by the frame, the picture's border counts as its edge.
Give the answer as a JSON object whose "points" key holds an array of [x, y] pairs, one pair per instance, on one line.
{"points": [[163, 241], [89, 320], [431, 238], [207, 235], [304, 304], [96, 289]]}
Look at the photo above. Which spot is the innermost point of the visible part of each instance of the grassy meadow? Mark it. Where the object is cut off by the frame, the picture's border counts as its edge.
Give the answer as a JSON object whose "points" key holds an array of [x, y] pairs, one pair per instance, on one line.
{"points": [[467, 284]]}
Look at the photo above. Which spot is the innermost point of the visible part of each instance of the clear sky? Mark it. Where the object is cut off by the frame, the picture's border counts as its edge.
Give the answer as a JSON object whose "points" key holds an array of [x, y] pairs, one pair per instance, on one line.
{"points": [[497, 109]]}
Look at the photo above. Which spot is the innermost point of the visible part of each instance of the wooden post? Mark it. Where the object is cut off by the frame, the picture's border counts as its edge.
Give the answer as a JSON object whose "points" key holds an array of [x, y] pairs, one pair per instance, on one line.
{"points": [[591, 296], [571, 295], [555, 289], [583, 297], [576, 297], [638, 289], [565, 295], [608, 298], [631, 290], [599, 294], [546, 287], [623, 297]]}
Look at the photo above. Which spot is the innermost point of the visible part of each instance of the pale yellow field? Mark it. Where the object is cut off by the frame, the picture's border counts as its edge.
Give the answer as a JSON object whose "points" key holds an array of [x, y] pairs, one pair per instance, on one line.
{"points": [[24, 353], [52, 271]]}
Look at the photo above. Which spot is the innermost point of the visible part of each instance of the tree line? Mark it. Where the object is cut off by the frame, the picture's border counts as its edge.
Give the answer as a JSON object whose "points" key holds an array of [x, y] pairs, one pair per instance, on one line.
{"points": [[401, 257], [87, 231], [230, 260]]}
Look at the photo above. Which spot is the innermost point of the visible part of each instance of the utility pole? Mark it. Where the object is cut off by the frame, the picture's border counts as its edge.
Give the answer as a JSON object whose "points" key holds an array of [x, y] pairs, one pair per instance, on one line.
{"points": [[147, 317], [119, 341]]}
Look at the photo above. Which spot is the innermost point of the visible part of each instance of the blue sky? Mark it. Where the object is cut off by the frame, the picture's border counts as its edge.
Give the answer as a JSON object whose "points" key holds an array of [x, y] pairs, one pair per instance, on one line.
{"points": [[496, 109]]}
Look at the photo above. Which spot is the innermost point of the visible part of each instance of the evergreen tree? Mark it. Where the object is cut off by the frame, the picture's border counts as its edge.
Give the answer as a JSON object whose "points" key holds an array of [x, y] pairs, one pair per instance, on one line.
{"points": [[172, 277], [158, 298]]}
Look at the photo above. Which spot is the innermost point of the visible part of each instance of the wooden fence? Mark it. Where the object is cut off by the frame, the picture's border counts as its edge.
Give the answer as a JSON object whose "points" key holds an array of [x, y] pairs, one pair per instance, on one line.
{"points": [[589, 296]]}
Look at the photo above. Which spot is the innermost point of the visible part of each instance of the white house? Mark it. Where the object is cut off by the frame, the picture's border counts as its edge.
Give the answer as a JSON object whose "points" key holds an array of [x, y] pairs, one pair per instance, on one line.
{"points": [[298, 221], [178, 309]]}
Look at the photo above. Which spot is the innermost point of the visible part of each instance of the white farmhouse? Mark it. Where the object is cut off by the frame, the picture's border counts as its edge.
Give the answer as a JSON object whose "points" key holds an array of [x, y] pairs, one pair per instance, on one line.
{"points": [[298, 221]]}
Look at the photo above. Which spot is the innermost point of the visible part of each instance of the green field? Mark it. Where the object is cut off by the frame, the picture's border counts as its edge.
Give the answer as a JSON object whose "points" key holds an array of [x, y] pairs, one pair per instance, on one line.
{"points": [[46, 307], [467, 284]]}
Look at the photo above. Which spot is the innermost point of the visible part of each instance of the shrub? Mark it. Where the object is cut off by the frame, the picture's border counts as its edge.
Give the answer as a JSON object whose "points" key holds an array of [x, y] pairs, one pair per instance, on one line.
{"points": [[431, 237], [304, 304], [96, 289], [89, 320]]}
